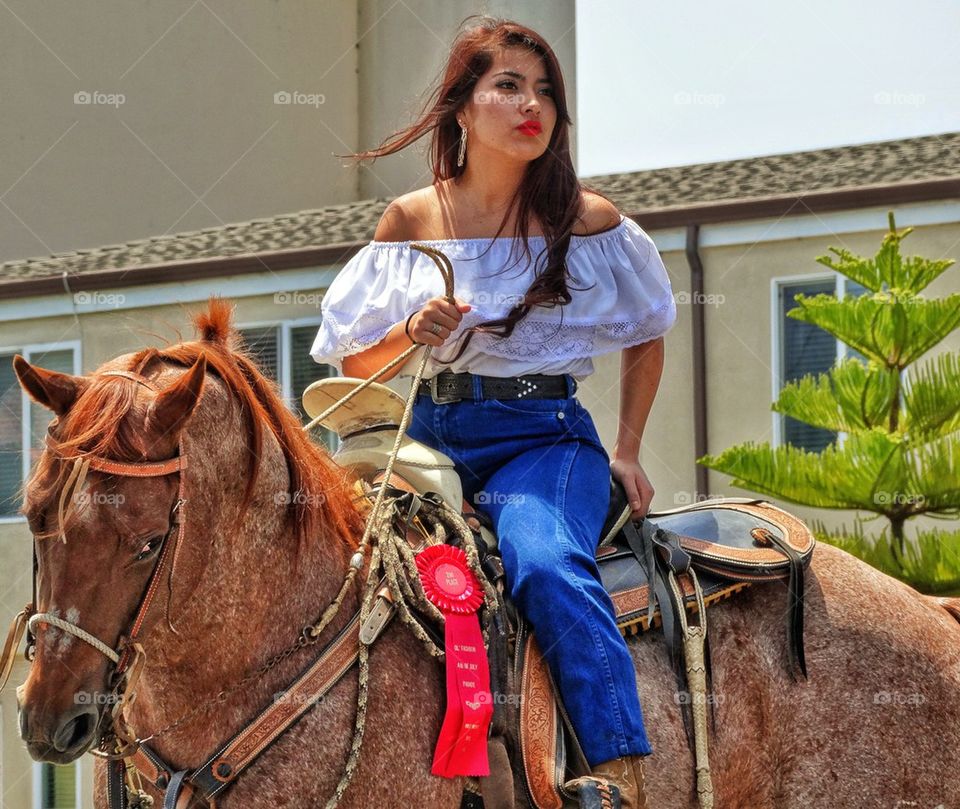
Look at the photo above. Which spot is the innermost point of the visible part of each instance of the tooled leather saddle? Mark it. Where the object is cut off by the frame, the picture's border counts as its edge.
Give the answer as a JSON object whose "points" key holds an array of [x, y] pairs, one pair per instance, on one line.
{"points": [[728, 544]]}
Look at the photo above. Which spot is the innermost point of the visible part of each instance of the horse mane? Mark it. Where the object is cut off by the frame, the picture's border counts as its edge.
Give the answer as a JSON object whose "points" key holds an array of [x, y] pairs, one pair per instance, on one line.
{"points": [[320, 491]]}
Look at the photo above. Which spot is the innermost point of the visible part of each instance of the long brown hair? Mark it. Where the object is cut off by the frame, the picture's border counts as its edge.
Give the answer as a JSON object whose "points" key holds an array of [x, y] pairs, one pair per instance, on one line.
{"points": [[549, 188]]}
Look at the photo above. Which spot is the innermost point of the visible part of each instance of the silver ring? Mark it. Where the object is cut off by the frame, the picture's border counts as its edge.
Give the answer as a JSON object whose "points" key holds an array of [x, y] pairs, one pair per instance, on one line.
{"points": [[435, 328]]}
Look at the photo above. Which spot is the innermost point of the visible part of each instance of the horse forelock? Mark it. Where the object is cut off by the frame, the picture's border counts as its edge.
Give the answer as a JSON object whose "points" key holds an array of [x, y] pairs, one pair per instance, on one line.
{"points": [[104, 421]]}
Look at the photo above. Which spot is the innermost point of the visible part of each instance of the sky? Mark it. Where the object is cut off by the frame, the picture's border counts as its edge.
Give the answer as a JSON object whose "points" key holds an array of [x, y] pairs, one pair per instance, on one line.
{"points": [[668, 84]]}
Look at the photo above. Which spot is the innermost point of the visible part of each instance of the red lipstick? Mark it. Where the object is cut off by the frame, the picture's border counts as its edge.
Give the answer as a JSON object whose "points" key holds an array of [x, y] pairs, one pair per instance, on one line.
{"points": [[530, 128]]}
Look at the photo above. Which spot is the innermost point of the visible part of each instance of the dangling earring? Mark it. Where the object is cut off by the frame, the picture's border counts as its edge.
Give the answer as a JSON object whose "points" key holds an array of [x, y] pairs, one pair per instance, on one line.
{"points": [[463, 145]]}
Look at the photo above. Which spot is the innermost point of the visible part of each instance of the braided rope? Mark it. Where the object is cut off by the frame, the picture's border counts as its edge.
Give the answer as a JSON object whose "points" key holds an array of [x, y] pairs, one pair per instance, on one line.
{"points": [[694, 638], [76, 631], [391, 551]]}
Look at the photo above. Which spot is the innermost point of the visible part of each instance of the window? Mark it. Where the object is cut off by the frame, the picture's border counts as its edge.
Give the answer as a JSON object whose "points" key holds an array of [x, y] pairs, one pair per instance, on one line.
{"points": [[283, 352], [23, 422], [56, 786], [803, 348]]}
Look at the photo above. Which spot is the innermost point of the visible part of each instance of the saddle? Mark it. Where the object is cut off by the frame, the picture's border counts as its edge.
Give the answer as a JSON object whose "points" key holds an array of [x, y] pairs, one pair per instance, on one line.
{"points": [[656, 570]]}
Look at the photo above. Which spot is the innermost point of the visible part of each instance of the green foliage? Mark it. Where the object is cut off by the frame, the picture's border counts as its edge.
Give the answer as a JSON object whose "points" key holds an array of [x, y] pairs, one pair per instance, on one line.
{"points": [[899, 419], [930, 561]]}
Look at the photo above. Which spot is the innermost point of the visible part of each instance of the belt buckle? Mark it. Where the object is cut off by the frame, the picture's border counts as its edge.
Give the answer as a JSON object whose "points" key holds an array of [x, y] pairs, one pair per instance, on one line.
{"points": [[437, 398]]}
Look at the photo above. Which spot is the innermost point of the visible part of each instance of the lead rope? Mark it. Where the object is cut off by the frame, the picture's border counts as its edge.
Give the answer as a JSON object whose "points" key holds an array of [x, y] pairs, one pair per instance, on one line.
{"points": [[694, 638], [391, 549]]}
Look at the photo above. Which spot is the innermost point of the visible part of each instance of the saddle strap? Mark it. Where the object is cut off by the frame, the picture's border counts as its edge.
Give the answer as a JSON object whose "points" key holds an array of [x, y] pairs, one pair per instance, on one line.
{"points": [[178, 792], [223, 768], [657, 566], [795, 592], [116, 786]]}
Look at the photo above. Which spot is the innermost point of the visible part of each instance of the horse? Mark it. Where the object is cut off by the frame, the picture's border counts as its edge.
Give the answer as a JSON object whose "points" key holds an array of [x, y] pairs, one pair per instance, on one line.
{"points": [[269, 531]]}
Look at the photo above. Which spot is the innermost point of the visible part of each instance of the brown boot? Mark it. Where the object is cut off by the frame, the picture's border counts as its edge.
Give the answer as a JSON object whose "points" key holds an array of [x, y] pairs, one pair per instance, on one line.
{"points": [[627, 774]]}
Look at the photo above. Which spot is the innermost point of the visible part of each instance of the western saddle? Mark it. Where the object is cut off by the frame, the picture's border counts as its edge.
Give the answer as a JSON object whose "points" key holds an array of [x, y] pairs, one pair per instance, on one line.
{"points": [[671, 563]]}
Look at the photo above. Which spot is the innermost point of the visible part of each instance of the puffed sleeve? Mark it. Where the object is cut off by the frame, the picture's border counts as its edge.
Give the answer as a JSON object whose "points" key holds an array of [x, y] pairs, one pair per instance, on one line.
{"points": [[649, 294], [629, 300], [366, 298]]}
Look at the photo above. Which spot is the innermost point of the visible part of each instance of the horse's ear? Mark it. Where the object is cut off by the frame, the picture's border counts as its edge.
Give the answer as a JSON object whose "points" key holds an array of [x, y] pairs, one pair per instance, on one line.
{"points": [[173, 406], [52, 389]]}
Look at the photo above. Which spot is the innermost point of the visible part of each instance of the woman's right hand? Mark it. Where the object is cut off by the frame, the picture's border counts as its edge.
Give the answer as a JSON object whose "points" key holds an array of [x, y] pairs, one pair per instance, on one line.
{"points": [[437, 310]]}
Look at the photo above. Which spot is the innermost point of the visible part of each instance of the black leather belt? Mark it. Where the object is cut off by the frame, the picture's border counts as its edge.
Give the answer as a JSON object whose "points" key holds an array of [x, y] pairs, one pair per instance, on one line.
{"points": [[448, 387]]}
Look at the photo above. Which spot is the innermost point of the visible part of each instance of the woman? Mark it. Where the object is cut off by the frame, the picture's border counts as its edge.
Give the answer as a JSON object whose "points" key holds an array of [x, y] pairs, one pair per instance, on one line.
{"points": [[504, 408]]}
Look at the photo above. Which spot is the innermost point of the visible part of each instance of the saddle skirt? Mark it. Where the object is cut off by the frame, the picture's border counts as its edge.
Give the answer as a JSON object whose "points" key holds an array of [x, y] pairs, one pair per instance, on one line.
{"points": [[656, 570]]}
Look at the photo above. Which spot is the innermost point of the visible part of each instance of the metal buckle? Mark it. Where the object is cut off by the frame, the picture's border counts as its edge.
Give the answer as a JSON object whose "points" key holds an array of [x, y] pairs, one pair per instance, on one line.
{"points": [[437, 398]]}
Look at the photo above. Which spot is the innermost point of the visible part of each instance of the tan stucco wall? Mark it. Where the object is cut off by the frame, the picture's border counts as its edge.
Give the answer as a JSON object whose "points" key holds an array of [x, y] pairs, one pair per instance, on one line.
{"points": [[192, 136]]}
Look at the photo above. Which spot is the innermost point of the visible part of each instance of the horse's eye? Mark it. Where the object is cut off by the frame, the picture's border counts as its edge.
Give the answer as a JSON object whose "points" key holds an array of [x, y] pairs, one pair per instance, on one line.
{"points": [[149, 548]]}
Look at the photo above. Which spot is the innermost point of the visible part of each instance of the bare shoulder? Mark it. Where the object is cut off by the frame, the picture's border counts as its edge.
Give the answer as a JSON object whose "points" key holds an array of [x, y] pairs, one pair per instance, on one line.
{"points": [[402, 220], [597, 213], [394, 222]]}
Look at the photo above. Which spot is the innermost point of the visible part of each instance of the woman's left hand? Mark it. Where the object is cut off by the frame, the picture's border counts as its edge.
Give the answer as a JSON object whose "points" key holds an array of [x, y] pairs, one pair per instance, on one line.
{"points": [[635, 483]]}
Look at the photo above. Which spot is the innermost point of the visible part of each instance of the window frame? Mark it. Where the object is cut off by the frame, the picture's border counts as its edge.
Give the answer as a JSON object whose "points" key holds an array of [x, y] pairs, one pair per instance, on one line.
{"points": [[38, 769], [285, 354], [26, 350], [776, 285], [285, 347]]}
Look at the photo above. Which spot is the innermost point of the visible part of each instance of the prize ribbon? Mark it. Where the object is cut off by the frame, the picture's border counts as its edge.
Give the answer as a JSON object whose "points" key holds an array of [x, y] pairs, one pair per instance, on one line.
{"points": [[450, 584]]}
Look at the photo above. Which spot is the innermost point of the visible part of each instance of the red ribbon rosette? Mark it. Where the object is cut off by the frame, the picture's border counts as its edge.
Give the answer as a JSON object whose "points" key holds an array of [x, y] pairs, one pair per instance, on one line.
{"points": [[450, 584]]}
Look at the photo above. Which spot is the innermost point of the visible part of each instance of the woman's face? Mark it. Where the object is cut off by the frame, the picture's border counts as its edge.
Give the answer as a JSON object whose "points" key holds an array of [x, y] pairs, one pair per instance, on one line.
{"points": [[514, 92]]}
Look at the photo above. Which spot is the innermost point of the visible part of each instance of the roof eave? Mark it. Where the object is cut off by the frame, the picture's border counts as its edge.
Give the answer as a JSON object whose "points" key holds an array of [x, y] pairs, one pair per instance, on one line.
{"points": [[297, 258]]}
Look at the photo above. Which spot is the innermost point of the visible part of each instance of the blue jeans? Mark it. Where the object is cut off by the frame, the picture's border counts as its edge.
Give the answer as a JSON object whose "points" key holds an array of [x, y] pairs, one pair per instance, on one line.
{"points": [[539, 469]]}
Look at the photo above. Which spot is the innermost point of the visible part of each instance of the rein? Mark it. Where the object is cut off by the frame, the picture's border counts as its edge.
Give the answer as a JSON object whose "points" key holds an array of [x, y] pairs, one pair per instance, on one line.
{"points": [[131, 756]]}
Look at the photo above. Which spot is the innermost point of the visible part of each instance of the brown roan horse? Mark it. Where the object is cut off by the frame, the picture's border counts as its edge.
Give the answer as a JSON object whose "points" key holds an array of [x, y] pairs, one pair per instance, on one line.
{"points": [[270, 528]]}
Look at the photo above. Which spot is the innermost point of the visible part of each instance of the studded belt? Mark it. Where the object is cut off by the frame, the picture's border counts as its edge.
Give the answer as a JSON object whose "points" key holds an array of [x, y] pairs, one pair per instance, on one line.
{"points": [[448, 387]]}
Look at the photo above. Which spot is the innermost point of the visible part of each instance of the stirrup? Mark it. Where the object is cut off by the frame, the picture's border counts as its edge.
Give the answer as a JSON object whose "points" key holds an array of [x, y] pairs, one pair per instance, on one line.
{"points": [[594, 793]]}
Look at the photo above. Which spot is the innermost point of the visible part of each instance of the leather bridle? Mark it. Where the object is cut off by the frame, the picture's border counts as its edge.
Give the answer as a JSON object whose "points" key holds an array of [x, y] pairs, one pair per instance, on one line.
{"points": [[128, 658]]}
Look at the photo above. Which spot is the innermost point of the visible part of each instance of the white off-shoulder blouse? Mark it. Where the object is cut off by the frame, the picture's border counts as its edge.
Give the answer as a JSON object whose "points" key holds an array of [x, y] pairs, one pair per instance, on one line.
{"points": [[621, 296]]}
